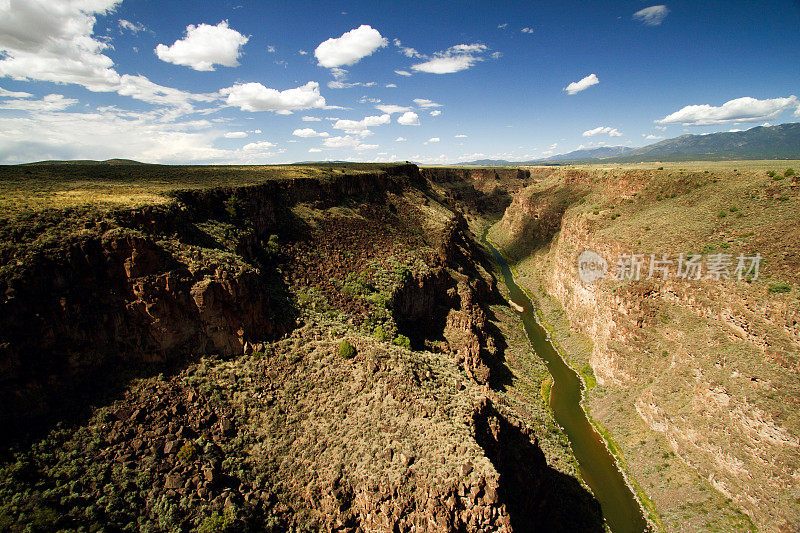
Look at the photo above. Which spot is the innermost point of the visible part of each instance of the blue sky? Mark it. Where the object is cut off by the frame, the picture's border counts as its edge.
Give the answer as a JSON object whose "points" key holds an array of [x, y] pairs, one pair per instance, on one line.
{"points": [[261, 82]]}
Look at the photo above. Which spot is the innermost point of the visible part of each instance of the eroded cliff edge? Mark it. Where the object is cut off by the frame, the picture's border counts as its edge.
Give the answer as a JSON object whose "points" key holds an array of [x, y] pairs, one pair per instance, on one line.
{"points": [[242, 297], [696, 380]]}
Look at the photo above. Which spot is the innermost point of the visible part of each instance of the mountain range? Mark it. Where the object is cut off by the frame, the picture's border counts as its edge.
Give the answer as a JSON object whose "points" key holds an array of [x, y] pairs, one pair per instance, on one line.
{"points": [[761, 142]]}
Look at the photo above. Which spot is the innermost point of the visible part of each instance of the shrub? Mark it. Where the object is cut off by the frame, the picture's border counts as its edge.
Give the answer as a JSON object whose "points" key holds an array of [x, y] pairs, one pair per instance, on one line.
{"points": [[733, 209], [722, 214], [660, 168], [771, 173], [218, 523], [779, 287], [346, 349], [789, 172], [402, 341], [380, 334], [187, 453], [232, 205]]}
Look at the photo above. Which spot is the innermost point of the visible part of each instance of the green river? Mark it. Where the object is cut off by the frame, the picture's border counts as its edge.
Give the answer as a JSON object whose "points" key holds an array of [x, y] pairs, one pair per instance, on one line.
{"points": [[597, 466]]}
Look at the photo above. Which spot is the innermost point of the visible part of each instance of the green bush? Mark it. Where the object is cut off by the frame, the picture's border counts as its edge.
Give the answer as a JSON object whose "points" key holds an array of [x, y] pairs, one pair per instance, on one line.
{"points": [[771, 173], [346, 349], [402, 341], [722, 214], [232, 206], [218, 523], [187, 453], [779, 287], [380, 334], [789, 172]]}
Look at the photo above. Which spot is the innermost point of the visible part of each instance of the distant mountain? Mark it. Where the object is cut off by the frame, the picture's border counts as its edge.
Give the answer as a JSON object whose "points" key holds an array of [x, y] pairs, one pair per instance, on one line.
{"points": [[88, 162], [603, 152], [761, 142]]}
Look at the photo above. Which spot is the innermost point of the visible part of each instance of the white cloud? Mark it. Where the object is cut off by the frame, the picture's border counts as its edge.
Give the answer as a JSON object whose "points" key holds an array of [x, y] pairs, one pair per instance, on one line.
{"points": [[350, 48], [600, 130], [405, 50], [425, 103], [270, 49], [651, 137], [347, 141], [53, 41], [454, 59], [737, 110], [255, 97], [260, 146], [390, 86], [302, 52], [149, 136], [391, 108], [12, 94], [461, 136], [308, 133], [402, 72], [433, 140], [435, 113], [400, 139], [236, 135], [661, 128], [502, 26], [360, 126], [205, 46], [527, 30], [51, 102], [131, 27], [578, 86], [651, 16], [797, 112], [314, 150], [310, 119], [409, 118]]}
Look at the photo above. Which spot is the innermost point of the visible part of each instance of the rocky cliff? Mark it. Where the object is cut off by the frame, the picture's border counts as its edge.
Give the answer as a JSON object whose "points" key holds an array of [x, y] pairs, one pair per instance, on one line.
{"points": [[709, 366]]}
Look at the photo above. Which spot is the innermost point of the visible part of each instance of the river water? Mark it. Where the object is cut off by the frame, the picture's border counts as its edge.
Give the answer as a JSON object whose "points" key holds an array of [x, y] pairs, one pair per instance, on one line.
{"points": [[596, 464]]}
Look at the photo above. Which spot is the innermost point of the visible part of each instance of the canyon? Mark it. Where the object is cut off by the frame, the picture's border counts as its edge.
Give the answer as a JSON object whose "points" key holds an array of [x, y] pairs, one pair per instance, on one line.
{"points": [[331, 347]]}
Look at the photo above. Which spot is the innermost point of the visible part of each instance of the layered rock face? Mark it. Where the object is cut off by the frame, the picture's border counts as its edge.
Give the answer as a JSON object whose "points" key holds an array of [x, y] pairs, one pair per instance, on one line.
{"points": [[709, 365]]}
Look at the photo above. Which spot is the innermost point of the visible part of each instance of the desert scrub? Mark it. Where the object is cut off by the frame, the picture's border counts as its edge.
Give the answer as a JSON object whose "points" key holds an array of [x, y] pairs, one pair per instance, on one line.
{"points": [[187, 453], [778, 288], [380, 334], [402, 341], [789, 173], [346, 349]]}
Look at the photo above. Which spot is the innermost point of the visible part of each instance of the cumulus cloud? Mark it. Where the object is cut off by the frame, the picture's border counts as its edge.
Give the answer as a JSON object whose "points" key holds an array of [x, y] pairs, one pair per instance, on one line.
{"points": [[307, 133], [53, 41], [314, 150], [651, 137], [651, 16], [433, 140], [360, 127], [205, 46], [350, 48], [400, 139], [461, 136], [236, 135], [737, 110], [581, 85], [425, 103], [310, 119], [601, 130], [409, 118], [391, 108], [402, 72], [51, 102], [256, 97], [454, 59], [435, 113], [390, 86], [260, 146], [527, 30], [347, 141]]}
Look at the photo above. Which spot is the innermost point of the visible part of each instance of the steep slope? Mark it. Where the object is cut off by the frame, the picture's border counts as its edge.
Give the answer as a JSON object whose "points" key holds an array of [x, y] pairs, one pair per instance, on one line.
{"points": [[240, 357], [697, 380]]}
